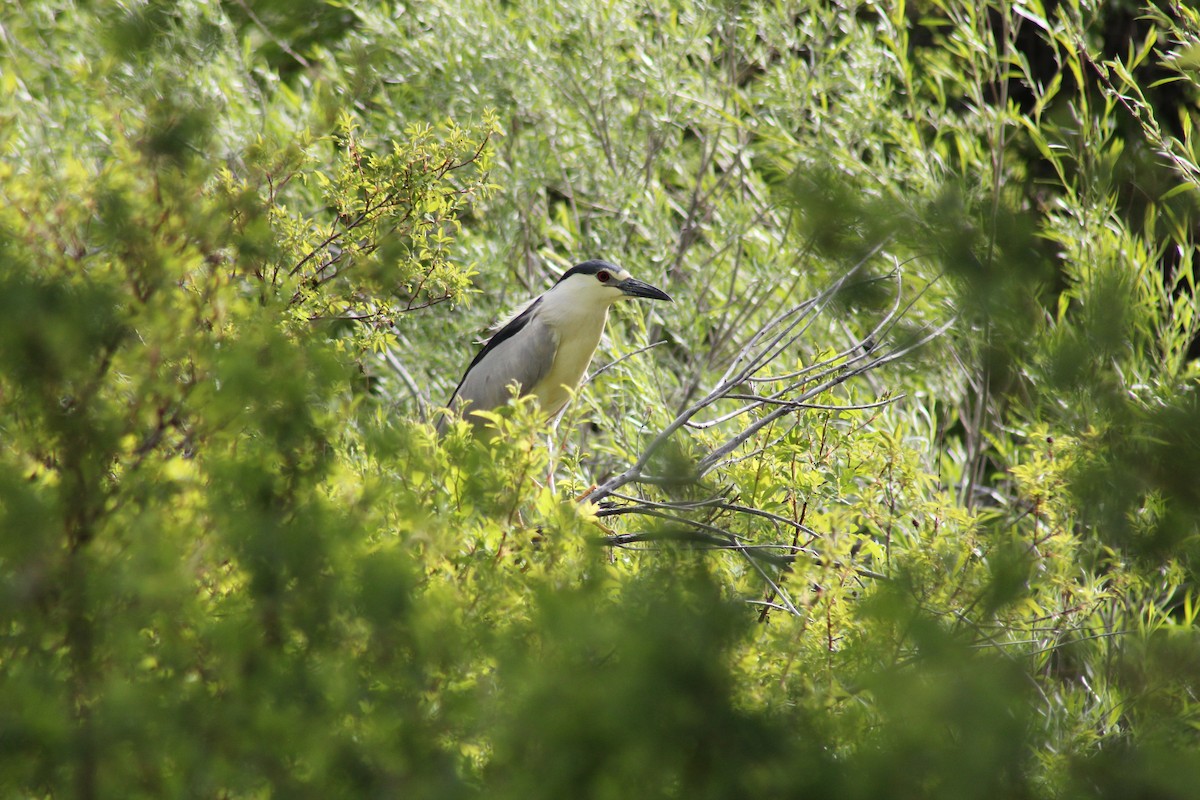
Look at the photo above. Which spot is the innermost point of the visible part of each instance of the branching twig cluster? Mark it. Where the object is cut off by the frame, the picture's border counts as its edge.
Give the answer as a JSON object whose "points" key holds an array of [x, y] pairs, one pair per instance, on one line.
{"points": [[696, 523], [400, 206]]}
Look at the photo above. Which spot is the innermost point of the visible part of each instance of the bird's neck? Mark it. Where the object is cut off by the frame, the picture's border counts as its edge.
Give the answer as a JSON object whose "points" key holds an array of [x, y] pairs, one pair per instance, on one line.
{"points": [[578, 336], [578, 319]]}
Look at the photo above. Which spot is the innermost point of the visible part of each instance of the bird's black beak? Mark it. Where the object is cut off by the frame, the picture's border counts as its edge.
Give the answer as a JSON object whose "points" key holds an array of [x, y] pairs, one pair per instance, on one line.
{"points": [[632, 287]]}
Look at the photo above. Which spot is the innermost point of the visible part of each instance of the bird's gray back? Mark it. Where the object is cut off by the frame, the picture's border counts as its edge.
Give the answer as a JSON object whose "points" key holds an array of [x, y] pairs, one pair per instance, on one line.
{"points": [[523, 357]]}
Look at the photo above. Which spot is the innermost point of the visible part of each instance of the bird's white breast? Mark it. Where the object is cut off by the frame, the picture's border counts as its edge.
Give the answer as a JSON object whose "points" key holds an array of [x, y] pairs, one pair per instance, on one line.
{"points": [[578, 336]]}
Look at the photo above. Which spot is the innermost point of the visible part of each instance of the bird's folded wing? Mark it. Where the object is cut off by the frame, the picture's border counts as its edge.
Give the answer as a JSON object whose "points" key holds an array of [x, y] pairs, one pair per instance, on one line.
{"points": [[522, 352]]}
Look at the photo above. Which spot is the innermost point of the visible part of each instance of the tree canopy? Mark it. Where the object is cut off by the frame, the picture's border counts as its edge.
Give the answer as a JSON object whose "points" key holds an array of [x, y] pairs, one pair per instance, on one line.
{"points": [[900, 498]]}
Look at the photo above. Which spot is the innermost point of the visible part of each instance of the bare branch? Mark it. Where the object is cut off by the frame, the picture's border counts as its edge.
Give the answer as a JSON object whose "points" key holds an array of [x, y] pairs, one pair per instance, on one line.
{"points": [[791, 393], [617, 361]]}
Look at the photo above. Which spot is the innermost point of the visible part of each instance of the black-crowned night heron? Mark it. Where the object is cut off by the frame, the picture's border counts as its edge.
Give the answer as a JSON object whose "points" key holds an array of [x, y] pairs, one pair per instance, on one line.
{"points": [[546, 346]]}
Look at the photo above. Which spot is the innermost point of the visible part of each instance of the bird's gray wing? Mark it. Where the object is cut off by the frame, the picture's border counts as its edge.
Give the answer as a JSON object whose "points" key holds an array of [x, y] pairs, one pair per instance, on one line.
{"points": [[522, 352]]}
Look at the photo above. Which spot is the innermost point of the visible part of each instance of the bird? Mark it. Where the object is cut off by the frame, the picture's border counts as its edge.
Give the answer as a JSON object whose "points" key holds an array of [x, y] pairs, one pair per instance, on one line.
{"points": [[545, 347]]}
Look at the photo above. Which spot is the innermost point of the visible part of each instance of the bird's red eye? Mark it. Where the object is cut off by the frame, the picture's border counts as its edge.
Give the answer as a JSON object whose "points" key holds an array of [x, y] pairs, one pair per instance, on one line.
{"points": [[603, 276]]}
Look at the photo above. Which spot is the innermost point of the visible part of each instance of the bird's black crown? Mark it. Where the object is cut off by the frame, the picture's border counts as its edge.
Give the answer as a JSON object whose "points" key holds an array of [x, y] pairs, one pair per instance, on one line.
{"points": [[589, 268]]}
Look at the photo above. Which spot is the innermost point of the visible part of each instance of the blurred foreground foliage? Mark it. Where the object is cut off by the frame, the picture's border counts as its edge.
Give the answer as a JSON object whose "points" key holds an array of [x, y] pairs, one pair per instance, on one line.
{"points": [[236, 562]]}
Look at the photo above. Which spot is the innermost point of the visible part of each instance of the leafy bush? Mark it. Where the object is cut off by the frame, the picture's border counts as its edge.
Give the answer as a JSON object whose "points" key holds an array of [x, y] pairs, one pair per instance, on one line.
{"points": [[897, 499]]}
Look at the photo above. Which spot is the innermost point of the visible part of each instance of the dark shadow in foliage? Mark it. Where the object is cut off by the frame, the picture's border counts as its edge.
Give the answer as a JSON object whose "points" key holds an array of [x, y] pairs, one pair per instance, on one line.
{"points": [[1138, 487], [637, 699], [1157, 757], [955, 721], [56, 344], [54, 336], [291, 30], [1010, 565], [842, 224]]}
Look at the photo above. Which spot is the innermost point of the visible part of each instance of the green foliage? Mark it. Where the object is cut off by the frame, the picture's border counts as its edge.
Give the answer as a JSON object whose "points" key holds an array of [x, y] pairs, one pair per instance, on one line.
{"points": [[897, 499]]}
